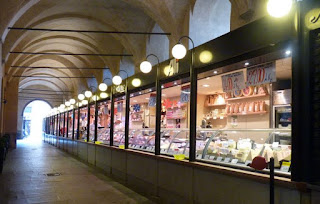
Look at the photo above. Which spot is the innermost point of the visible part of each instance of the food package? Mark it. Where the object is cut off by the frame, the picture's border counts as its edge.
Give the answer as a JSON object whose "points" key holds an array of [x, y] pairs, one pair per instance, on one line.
{"points": [[252, 154], [247, 91], [228, 109], [237, 93], [236, 108], [262, 105], [246, 107], [251, 107], [262, 90], [256, 107], [241, 107], [231, 108]]}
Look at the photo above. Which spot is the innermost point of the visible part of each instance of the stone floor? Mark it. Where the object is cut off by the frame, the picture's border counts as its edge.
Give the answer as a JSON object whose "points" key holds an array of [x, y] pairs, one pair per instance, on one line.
{"points": [[24, 181]]}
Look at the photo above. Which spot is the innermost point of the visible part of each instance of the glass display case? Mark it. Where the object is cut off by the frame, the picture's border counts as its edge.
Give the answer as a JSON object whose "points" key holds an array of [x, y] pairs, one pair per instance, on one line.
{"points": [[119, 121], [56, 119], [142, 139], [92, 126], [70, 123], [83, 123], [75, 132], [238, 147], [174, 141], [61, 124], [104, 113]]}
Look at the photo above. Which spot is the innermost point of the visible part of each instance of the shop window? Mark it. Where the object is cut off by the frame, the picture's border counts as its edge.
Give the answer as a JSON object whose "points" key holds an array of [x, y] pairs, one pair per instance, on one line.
{"points": [[61, 130], [244, 111], [75, 124], [56, 125], [142, 120], [83, 123], [175, 118], [92, 126], [119, 121], [104, 113], [70, 122]]}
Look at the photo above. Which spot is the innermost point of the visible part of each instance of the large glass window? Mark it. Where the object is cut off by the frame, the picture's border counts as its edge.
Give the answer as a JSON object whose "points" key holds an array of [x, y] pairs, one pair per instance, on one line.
{"points": [[56, 125], [175, 118], [70, 122], [92, 126], [104, 113], [244, 111], [61, 130], [142, 120], [119, 121], [83, 123], [76, 112]]}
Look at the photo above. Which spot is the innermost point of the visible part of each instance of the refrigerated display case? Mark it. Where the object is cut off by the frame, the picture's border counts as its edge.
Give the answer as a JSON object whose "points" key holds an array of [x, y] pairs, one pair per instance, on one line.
{"points": [[75, 132], [238, 147], [118, 137], [142, 139], [70, 123], [92, 126], [174, 141], [119, 121]]}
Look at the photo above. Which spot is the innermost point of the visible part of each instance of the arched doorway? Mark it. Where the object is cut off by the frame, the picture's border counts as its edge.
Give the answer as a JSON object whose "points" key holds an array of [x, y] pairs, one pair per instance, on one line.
{"points": [[32, 124]]}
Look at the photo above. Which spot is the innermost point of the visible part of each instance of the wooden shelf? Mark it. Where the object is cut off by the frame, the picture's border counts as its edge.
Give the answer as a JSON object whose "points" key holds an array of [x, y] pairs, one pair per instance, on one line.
{"points": [[174, 118], [246, 97], [249, 113], [136, 120], [133, 112], [215, 105]]}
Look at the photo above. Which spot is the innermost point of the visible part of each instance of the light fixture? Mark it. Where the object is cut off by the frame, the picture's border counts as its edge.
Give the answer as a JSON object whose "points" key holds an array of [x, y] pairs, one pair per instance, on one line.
{"points": [[103, 95], [163, 94], [288, 52], [135, 101], [62, 106], [140, 92], [179, 51], [88, 94], [71, 106], [79, 104], [215, 72], [162, 86], [117, 80], [95, 97], [85, 102], [175, 83], [147, 98], [206, 85], [246, 64], [145, 67], [103, 87], [205, 56], [72, 101], [136, 82], [67, 103], [279, 8], [81, 97]]}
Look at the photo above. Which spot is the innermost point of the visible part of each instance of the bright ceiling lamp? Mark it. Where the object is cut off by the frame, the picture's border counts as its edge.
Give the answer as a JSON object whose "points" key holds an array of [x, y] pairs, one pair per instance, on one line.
{"points": [[117, 80], [88, 94], [72, 101], [103, 87], [179, 51], [79, 104], [95, 97], [145, 67], [279, 8], [62, 106], [81, 97], [85, 102], [103, 95], [136, 82], [67, 103]]}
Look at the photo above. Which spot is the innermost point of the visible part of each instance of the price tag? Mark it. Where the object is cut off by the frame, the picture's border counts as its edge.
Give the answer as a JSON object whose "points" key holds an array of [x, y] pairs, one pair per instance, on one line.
{"points": [[206, 157], [234, 161], [275, 144], [211, 157], [233, 82], [285, 166], [261, 74], [199, 156], [227, 159], [219, 159]]}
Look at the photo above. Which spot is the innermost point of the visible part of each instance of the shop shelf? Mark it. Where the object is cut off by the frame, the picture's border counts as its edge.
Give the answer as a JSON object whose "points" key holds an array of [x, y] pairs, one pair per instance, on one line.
{"points": [[174, 118], [215, 105], [249, 113], [246, 97]]}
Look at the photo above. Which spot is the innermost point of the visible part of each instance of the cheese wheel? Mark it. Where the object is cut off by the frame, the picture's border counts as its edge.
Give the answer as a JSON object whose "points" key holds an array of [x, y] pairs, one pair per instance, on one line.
{"points": [[247, 91]]}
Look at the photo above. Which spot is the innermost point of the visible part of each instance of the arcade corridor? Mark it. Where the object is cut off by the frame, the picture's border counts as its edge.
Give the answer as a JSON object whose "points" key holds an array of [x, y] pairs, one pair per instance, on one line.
{"points": [[24, 181]]}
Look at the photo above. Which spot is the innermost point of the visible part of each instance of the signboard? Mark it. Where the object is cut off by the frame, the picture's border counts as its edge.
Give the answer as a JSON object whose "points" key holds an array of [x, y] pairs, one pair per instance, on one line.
{"points": [[152, 100], [261, 74], [185, 94], [233, 82]]}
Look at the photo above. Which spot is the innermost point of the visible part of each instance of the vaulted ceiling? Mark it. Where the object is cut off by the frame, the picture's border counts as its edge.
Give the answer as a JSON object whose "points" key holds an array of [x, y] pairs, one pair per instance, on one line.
{"points": [[101, 15]]}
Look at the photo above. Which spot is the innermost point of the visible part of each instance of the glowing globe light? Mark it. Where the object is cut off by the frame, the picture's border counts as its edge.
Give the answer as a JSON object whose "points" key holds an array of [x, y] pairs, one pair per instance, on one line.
{"points": [[136, 82], [72, 101], [62, 106], [88, 94], [145, 67], [95, 97], [81, 97], [205, 56], [103, 95], [84, 102], [117, 80], [179, 51], [103, 87], [67, 103], [79, 104], [279, 8]]}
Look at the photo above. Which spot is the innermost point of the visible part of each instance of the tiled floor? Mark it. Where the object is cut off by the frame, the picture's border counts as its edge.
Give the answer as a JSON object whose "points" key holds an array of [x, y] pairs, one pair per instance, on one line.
{"points": [[23, 179]]}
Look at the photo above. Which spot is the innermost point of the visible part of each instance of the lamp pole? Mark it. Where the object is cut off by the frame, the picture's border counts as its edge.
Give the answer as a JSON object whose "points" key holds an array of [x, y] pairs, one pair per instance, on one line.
{"points": [[126, 127], [158, 107]]}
